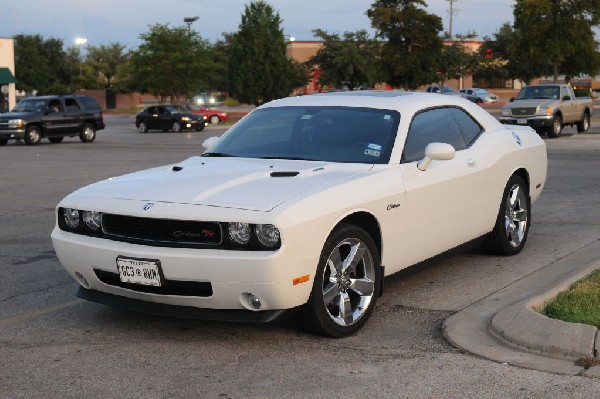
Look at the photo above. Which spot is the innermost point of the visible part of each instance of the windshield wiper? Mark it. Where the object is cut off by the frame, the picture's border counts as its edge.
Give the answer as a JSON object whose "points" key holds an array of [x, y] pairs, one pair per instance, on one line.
{"points": [[216, 154], [290, 158]]}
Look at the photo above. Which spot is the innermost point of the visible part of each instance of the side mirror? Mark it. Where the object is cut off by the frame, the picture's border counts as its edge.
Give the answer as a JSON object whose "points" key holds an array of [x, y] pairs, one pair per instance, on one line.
{"points": [[209, 142], [566, 98], [436, 152], [512, 99]]}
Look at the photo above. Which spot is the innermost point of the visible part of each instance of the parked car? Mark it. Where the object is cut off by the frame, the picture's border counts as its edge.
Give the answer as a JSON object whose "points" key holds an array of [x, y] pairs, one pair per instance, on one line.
{"points": [[299, 207], [169, 117], [54, 117], [479, 96], [548, 108], [214, 115], [444, 90]]}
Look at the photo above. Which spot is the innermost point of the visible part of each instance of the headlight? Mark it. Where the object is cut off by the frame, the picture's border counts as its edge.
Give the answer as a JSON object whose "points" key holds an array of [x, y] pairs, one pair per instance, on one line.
{"points": [[16, 123], [71, 217], [186, 118], [545, 111], [267, 234], [505, 112], [239, 232], [92, 220]]}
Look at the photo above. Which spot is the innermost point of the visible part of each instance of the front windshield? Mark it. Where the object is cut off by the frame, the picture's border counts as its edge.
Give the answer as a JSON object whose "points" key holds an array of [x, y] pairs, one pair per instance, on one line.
{"points": [[30, 105], [174, 109], [333, 134], [539, 92]]}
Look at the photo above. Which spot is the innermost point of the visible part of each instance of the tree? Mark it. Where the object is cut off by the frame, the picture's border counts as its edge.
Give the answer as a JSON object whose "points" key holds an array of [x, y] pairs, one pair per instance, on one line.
{"points": [[259, 70], [104, 61], [410, 55], [42, 65], [348, 61], [171, 62], [453, 62], [559, 32]]}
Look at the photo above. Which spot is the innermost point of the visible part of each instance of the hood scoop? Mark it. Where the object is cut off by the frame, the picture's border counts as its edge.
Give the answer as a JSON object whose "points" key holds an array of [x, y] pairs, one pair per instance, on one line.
{"points": [[284, 174]]}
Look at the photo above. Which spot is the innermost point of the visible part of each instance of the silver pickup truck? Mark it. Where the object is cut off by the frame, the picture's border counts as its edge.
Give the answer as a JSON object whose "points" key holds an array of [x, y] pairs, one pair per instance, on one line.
{"points": [[547, 108]]}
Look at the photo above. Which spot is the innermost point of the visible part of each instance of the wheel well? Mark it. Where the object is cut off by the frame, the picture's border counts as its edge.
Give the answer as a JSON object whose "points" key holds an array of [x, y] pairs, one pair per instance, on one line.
{"points": [[367, 222], [522, 173], [558, 113]]}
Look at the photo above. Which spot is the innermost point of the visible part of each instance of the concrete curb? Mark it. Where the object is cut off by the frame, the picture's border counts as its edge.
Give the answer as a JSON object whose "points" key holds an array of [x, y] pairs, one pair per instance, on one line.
{"points": [[504, 328]]}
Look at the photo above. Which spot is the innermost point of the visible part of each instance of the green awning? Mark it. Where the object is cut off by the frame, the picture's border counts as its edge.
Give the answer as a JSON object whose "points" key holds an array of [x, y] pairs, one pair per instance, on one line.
{"points": [[6, 76]]}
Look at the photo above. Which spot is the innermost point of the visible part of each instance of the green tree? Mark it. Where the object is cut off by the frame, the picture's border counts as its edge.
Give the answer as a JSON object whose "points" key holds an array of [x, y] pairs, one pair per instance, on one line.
{"points": [[558, 33], [410, 55], [453, 63], [348, 61], [104, 61], [259, 70], [42, 65], [171, 62]]}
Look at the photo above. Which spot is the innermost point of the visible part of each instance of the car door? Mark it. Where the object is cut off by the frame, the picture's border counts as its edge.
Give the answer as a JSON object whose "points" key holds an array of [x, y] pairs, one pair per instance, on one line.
{"points": [[151, 118], [441, 203], [54, 118], [164, 118], [569, 107]]}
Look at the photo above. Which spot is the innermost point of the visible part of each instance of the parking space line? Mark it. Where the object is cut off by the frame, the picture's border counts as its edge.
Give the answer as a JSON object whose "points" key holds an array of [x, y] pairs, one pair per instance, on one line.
{"points": [[39, 312]]}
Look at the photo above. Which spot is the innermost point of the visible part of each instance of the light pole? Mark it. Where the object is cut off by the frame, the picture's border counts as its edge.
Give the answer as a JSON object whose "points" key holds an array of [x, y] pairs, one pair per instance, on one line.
{"points": [[80, 41], [189, 21]]}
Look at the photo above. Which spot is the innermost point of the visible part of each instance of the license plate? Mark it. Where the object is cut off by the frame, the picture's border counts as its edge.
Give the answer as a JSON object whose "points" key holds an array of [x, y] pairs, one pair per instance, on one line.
{"points": [[522, 121], [139, 271]]}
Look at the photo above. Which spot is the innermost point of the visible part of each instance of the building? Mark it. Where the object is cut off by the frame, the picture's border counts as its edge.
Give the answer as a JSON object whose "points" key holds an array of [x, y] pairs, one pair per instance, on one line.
{"points": [[7, 75]]}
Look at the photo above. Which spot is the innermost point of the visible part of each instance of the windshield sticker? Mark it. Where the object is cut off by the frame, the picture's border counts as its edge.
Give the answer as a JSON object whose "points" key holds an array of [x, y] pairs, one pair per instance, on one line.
{"points": [[375, 147], [372, 153], [387, 117], [306, 117]]}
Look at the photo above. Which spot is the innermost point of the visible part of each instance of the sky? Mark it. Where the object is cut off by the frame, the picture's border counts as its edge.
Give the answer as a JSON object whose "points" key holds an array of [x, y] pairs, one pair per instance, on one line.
{"points": [[103, 22]]}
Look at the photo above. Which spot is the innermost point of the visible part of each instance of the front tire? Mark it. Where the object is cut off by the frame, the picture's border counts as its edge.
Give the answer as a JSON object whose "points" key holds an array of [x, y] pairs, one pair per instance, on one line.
{"points": [[3, 141], [513, 221], [176, 127], [584, 124], [33, 135], [346, 285], [556, 128], [88, 133]]}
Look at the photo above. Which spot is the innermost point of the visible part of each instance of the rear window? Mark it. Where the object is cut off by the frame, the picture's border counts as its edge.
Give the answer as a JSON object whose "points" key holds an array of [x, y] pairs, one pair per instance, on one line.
{"points": [[88, 102]]}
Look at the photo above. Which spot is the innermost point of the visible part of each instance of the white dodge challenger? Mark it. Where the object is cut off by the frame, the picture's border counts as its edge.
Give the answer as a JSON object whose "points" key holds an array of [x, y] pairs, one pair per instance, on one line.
{"points": [[304, 205]]}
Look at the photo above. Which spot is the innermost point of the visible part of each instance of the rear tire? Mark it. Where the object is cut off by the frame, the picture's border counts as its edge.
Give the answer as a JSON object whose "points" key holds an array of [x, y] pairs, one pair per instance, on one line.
{"points": [[346, 284], [142, 128], [215, 119], [88, 133], [584, 124], [33, 135], [176, 127], [55, 140], [512, 224], [3, 141]]}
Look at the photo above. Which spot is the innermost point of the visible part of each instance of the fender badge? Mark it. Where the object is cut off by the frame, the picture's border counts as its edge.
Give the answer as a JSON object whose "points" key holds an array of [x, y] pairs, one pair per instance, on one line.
{"points": [[148, 205]]}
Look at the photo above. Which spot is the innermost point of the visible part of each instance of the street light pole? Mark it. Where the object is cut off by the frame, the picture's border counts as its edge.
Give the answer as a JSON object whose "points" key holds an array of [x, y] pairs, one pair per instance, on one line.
{"points": [[189, 21], [80, 41]]}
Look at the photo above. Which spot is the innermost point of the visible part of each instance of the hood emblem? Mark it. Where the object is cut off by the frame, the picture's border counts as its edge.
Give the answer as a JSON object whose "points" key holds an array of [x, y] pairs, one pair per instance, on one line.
{"points": [[148, 205]]}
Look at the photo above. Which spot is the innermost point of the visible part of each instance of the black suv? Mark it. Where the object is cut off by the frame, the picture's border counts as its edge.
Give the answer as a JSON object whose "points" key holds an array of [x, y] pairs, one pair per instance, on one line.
{"points": [[54, 117]]}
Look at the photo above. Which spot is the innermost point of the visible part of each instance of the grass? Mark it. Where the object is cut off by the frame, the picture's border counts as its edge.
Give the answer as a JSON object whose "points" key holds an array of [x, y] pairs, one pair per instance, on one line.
{"points": [[590, 133], [579, 304]]}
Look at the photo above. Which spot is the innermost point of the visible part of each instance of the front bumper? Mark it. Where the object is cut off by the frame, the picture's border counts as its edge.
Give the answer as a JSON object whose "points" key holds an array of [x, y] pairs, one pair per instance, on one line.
{"points": [[231, 275], [12, 133], [542, 121]]}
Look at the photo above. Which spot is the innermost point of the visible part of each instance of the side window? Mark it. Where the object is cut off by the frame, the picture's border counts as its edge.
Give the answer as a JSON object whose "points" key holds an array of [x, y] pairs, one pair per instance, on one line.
{"points": [[432, 126], [468, 127], [71, 104]]}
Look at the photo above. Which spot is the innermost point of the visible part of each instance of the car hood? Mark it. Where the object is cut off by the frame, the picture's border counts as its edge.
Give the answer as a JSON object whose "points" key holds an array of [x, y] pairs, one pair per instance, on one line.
{"points": [[242, 183], [16, 115], [533, 103]]}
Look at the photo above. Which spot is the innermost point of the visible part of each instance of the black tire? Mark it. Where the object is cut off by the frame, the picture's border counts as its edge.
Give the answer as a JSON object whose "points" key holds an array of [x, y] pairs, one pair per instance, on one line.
{"points": [[55, 140], [3, 141], [215, 119], [88, 133], [165, 130], [584, 124], [33, 135], [478, 101], [556, 128], [200, 127], [320, 317], [176, 127], [142, 127], [514, 218]]}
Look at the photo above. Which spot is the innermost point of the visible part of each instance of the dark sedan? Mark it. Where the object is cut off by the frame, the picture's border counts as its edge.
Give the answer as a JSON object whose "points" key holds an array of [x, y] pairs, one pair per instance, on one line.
{"points": [[168, 117]]}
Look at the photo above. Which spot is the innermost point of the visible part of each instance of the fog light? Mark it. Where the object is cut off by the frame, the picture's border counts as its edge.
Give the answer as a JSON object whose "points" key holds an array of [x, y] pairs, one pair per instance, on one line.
{"points": [[71, 217], [254, 301]]}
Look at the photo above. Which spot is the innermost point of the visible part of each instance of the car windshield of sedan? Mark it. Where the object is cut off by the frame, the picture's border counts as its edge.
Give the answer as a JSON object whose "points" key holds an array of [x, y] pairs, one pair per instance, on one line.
{"points": [[332, 134]]}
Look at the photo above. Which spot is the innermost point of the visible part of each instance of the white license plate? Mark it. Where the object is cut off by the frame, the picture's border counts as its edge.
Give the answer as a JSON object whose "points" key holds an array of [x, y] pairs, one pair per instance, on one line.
{"points": [[522, 121], [139, 271]]}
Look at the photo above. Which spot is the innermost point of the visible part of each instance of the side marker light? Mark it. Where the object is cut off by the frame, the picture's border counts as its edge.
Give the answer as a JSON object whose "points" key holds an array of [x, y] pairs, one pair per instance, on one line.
{"points": [[300, 280]]}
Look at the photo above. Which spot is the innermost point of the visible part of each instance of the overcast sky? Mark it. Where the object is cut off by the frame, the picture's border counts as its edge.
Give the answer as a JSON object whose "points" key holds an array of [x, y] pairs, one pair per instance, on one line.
{"points": [[109, 21]]}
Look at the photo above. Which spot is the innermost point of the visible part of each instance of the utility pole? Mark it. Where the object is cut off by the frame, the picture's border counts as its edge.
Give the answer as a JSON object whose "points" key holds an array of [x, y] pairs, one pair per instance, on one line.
{"points": [[452, 11]]}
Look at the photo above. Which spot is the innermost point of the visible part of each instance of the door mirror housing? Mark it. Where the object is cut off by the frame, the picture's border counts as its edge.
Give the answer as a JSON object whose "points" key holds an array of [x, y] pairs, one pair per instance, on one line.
{"points": [[209, 142], [567, 98], [436, 152]]}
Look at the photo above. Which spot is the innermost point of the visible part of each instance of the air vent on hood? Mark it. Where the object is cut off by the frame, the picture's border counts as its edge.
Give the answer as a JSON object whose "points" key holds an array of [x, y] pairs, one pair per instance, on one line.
{"points": [[284, 174]]}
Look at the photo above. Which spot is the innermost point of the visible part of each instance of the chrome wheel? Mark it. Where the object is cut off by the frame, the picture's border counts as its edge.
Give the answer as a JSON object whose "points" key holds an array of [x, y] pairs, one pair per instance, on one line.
{"points": [[142, 128], [348, 282], [214, 119], [33, 135], [176, 127], [515, 219], [88, 134]]}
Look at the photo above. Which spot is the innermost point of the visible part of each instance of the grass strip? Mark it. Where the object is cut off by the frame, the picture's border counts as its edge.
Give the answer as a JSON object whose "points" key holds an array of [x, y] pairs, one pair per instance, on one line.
{"points": [[579, 304]]}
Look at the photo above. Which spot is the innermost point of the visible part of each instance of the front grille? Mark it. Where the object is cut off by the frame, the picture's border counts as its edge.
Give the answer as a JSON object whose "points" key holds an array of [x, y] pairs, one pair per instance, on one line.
{"points": [[169, 287], [162, 232], [526, 111]]}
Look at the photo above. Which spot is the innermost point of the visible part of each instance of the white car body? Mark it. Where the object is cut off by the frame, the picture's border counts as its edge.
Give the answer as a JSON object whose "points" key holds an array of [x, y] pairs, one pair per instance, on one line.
{"points": [[417, 214]]}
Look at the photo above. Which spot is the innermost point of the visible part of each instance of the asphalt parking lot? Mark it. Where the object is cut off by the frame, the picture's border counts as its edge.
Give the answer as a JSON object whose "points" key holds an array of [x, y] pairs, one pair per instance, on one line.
{"points": [[54, 345]]}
